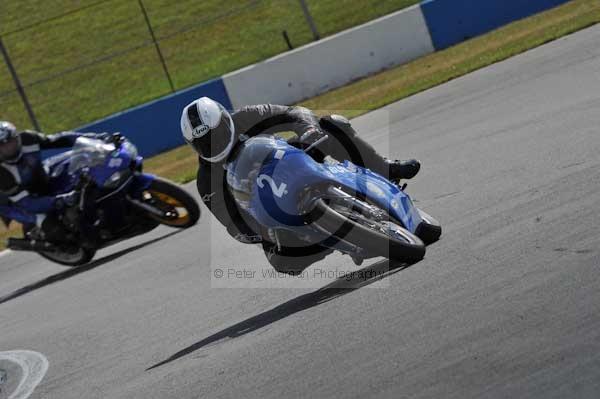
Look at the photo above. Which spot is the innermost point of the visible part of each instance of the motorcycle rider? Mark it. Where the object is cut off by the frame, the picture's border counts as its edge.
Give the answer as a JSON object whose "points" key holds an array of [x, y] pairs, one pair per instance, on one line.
{"points": [[24, 182], [214, 133]]}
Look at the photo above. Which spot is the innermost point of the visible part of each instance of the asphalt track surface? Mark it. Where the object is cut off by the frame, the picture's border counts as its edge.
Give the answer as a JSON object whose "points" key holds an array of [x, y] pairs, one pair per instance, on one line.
{"points": [[507, 304]]}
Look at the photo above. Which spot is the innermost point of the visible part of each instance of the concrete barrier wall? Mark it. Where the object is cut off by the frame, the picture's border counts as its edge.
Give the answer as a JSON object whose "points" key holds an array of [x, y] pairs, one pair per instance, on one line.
{"points": [[453, 21], [324, 65], [313, 69], [154, 127]]}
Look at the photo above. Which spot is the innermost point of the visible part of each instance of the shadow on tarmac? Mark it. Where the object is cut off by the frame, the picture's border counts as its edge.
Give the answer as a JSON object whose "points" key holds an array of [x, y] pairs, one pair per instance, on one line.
{"points": [[337, 288], [55, 278]]}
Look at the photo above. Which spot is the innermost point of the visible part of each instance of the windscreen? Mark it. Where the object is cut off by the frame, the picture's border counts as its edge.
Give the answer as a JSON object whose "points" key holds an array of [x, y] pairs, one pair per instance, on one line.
{"points": [[89, 152]]}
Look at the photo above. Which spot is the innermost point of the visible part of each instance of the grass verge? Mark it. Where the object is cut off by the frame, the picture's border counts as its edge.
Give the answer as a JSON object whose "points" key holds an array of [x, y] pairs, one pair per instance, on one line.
{"points": [[13, 230], [395, 84], [437, 68]]}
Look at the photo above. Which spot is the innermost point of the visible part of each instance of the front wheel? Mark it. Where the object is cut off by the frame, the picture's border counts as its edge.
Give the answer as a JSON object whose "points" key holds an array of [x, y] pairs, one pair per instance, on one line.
{"points": [[179, 209], [430, 230], [379, 237]]}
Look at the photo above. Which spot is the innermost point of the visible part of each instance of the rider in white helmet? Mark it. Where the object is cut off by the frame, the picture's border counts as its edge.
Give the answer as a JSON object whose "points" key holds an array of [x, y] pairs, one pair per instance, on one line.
{"points": [[214, 133]]}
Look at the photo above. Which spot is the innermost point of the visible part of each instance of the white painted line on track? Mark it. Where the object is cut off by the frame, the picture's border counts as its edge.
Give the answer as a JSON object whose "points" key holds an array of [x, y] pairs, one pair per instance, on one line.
{"points": [[33, 366], [5, 252]]}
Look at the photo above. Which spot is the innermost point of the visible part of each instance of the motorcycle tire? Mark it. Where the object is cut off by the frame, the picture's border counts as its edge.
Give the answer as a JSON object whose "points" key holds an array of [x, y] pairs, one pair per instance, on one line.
{"points": [[401, 246], [430, 230], [81, 257], [167, 194]]}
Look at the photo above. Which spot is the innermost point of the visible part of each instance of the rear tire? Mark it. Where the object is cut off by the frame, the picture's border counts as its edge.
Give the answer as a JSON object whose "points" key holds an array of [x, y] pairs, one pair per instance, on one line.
{"points": [[168, 195], [400, 245], [81, 257]]}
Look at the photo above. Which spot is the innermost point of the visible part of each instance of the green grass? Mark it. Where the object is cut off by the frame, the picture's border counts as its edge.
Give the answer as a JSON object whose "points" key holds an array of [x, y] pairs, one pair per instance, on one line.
{"points": [[13, 230], [218, 37]]}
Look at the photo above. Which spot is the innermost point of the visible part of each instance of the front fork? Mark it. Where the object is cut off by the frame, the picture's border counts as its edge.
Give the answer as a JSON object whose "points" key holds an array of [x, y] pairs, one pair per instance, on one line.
{"points": [[335, 193]]}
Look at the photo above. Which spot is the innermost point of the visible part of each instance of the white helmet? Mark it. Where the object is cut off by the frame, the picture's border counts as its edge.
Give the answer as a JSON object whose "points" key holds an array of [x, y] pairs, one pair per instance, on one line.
{"points": [[10, 142], [208, 128]]}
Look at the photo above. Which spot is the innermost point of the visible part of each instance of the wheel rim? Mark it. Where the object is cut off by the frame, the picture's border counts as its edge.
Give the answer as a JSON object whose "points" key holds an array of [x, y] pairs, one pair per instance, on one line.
{"points": [[382, 226], [167, 203]]}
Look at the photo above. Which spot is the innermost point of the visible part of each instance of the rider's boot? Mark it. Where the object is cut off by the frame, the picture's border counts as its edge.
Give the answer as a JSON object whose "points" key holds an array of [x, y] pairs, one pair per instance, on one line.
{"points": [[403, 169]]}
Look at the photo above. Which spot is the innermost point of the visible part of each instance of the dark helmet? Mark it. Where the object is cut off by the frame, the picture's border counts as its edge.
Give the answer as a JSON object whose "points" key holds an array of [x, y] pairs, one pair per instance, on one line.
{"points": [[208, 128], [10, 142]]}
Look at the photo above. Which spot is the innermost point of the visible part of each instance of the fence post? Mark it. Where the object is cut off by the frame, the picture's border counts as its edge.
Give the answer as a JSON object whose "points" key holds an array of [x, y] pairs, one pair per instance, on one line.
{"points": [[287, 40], [160, 56], [19, 87], [310, 20]]}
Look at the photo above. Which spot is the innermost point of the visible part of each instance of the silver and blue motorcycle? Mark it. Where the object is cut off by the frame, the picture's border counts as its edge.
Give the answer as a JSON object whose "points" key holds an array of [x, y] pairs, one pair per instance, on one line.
{"points": [[333, 204]]}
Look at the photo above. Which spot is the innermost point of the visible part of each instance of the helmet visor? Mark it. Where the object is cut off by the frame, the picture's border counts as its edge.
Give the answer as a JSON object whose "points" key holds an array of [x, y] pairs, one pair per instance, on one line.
{"points": [[10, 149], [215, 145]]}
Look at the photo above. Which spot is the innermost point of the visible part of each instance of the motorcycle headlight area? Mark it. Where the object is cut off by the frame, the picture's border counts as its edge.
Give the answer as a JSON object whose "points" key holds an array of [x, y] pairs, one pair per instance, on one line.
{"points": [[117, 178]]}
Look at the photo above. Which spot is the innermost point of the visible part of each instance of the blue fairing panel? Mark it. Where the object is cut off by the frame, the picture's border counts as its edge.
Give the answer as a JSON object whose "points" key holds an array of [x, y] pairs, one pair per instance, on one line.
{"points": [[289, 174], [381, 192]]}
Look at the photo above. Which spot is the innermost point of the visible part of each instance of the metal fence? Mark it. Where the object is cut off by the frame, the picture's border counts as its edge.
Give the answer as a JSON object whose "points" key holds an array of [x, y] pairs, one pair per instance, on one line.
{"points": [[98, 57]]}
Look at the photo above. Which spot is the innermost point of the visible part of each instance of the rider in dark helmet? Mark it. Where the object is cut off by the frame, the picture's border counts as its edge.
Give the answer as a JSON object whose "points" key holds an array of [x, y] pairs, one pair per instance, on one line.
{"points": [[24, 183], [214, 133]]}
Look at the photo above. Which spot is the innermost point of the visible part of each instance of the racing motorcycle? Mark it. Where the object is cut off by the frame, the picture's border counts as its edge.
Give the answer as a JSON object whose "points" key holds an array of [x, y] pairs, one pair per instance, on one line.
{"points": [[333, 204], [127, 202]]}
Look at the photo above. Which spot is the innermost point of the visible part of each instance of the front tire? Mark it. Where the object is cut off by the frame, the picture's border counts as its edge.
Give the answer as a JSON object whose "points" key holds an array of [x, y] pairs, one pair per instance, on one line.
{"points": [[430, 230], [379, 238], [171, 198]]}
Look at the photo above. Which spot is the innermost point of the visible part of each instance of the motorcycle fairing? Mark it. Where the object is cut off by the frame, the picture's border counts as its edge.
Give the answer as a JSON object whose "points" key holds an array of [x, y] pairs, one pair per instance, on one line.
{"points": [[288, 174], [61, 180]]}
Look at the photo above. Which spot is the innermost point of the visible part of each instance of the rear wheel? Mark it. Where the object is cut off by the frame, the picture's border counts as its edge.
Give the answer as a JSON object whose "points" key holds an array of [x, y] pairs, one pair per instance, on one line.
{"points": [[379, 236], [77, 257], [70, 256], [180, 209]]}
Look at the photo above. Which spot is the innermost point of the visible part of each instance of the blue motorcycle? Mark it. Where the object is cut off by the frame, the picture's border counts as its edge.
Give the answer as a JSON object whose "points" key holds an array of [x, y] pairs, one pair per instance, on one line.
{"points": [[126, 201], [336, 205]]}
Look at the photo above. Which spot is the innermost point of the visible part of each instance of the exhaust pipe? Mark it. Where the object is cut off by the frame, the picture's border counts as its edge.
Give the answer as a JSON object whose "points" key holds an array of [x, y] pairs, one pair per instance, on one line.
{"points": [[20, 244]]}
